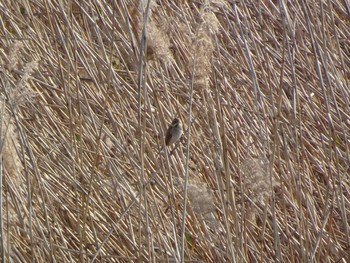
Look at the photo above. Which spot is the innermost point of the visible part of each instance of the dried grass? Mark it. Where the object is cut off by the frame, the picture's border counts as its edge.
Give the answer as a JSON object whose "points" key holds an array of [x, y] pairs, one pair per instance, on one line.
{"points": [[263, 87]]}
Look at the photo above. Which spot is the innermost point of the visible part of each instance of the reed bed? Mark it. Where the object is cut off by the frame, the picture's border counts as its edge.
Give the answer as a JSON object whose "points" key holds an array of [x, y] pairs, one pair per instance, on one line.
{"points": [[88, 89]]}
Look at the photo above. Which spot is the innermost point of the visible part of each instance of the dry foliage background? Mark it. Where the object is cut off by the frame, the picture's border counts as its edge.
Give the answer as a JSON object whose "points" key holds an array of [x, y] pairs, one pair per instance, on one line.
{"points": [[88, 89]]}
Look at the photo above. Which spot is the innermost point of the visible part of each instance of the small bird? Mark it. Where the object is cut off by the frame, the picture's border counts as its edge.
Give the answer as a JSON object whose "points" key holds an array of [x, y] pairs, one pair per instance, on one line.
{"points": [[173, 133]]}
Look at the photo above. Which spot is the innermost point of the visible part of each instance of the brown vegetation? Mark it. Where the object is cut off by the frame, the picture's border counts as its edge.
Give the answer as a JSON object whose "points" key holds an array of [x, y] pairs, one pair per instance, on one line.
{"points": [[261, 174]]}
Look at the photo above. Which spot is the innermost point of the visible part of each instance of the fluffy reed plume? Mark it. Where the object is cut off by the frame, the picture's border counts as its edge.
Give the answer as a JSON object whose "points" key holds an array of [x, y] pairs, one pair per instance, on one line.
{"points": [[201, 200], [258, 183], [11, 151], [158, 41], [203, 45]]}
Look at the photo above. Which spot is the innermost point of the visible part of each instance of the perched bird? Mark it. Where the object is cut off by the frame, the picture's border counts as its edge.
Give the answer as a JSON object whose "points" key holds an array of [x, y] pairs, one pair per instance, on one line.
{"points": [[173, 133]]}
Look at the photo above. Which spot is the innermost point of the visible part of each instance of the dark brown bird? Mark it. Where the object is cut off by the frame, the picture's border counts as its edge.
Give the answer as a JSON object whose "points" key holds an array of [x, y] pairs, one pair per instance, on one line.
{"points": [[173, 133]]}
